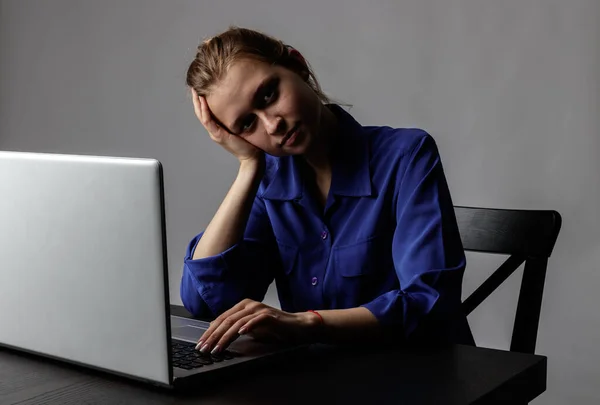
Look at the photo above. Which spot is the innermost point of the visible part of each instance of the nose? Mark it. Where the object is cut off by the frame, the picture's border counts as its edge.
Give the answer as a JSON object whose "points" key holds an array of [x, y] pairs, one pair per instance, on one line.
{"points": [[274, 124]]}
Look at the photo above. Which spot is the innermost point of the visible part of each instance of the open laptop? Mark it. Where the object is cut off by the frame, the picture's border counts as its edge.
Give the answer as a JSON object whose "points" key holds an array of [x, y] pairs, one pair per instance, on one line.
{"points": [[83, 271]]}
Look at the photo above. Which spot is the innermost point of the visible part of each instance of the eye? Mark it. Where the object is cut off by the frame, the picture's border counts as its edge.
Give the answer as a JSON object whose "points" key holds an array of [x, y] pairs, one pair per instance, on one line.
{"points": [[270, 92], [248, 122], [268, 97]]}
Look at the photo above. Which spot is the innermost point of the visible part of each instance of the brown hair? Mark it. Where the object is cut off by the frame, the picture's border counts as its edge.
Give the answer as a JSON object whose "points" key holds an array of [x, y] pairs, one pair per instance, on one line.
{"points": [[217, 54]]}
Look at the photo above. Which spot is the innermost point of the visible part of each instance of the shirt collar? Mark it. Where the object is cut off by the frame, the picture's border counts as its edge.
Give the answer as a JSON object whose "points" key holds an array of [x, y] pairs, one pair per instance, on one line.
{"points": [[286, 183], [350, 165]]}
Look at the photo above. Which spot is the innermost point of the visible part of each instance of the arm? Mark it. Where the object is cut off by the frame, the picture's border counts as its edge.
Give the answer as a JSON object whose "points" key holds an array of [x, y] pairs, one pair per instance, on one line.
{"points": [[228, 225], [428, 258], [213, 284], [429, 263], [232, 259], [428, 255]]}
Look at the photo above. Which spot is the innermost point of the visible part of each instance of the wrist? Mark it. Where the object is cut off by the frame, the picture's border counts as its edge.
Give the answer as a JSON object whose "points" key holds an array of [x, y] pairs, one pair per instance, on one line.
{"points": [[252, 168], [313, 325], [253, 164]]}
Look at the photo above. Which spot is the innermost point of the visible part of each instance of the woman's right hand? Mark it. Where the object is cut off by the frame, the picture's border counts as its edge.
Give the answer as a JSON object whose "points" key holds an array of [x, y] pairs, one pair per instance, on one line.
{"points": [[236, 145]]}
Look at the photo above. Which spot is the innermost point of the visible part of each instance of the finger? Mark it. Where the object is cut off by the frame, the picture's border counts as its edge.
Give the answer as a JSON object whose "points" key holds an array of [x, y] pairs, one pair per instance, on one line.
{"points": [[233, 333], [208, 342], [197, 107], [245, 303], [228, 317], [204, 111], [214, 325], [210, 124]]}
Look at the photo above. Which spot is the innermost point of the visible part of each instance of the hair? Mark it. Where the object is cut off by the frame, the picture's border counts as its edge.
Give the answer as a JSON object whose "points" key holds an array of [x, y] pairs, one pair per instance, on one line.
{"points": [[215, 55]]}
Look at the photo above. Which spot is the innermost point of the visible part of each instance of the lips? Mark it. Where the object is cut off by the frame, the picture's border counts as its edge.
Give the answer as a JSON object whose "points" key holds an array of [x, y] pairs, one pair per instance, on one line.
{"points": [[292, 131]]}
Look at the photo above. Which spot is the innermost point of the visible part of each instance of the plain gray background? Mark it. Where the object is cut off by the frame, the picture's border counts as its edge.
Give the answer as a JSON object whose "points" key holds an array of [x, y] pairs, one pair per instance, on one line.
{"points": [[509, 89]]}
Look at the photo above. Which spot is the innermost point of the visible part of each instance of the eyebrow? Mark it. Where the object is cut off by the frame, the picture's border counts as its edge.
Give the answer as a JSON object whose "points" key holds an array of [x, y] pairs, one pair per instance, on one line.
{"points": [[255, 99]]}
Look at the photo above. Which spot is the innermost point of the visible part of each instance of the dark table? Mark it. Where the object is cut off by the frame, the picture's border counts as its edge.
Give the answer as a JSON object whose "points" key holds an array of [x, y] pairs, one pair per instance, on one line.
{"points": [[450, 375]]}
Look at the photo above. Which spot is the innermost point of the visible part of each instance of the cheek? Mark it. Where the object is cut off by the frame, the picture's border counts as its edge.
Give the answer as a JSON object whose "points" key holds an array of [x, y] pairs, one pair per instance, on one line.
{"points": [[263, 141], [295, 100], [308, 104], [288, 103], [259, 138], [253, 139]]}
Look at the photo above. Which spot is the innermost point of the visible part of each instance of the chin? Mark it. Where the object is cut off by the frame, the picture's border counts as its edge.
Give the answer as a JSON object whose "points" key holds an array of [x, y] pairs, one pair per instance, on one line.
{"points": [[277, 153], [302, 147]]}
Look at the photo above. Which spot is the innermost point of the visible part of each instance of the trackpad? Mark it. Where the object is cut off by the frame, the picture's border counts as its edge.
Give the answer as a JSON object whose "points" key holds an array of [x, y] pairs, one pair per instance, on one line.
{"points": [[187, 332], [187, 329]]}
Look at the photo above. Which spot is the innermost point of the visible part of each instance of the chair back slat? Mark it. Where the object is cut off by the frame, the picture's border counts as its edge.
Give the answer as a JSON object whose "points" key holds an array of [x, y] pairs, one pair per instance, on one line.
{"points": [[503, 231], [492, 282], [526, 236]]}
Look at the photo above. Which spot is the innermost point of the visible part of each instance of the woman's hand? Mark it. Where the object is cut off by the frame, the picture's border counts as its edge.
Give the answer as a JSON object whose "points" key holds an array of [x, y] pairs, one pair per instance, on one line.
{"points": [[236, 145], [259, 321]]}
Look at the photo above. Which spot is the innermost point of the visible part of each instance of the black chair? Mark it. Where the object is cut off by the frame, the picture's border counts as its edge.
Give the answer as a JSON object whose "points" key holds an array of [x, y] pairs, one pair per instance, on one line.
{"points": [[527, 236]]}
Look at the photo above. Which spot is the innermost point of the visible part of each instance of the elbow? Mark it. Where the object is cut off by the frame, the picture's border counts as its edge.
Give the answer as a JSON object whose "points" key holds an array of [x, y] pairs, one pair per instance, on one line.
{"points": [[196, 307], [189, 305], [192, 300]]}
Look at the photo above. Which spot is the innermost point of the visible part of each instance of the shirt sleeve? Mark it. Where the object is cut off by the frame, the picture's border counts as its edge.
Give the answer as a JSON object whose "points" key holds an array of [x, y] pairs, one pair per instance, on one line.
{"points": [[212, 285], [427, 251]]}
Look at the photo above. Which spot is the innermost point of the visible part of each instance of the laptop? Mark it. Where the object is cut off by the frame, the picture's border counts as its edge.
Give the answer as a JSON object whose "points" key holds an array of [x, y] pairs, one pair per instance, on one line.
{"points": [[83, 271]]}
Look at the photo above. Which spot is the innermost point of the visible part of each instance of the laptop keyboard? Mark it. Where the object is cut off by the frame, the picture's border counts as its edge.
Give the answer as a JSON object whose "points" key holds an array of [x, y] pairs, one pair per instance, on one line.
{"points": [[185, 356]]}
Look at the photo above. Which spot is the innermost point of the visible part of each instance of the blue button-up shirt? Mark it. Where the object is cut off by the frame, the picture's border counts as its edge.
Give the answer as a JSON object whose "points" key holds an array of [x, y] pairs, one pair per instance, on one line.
{"points": [[386, 239]]}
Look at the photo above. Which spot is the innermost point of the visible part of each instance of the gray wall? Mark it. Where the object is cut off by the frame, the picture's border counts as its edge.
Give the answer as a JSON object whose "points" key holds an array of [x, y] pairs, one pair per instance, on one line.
{"points": [[510, 90]]}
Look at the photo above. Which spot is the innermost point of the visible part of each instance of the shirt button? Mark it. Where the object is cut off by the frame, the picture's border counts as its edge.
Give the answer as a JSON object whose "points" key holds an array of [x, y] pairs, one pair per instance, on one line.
{"points": [[314, 281], [324, 235]]}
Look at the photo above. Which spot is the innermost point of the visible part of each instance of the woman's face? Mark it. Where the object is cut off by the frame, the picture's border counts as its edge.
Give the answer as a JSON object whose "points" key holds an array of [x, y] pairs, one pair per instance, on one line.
{"points": [[269, 106]]}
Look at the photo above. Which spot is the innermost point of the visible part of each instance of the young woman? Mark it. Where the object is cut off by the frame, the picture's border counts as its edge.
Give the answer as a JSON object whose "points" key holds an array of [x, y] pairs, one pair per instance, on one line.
{"points": [[354, 223]]}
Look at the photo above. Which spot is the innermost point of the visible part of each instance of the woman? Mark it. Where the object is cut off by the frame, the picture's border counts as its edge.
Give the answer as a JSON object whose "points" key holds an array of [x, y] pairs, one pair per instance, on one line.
{"points": [[354, 223]]}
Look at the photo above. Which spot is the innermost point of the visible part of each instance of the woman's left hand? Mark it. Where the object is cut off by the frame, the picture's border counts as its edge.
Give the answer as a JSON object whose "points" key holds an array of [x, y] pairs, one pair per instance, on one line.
{"points": [[259, 321]]}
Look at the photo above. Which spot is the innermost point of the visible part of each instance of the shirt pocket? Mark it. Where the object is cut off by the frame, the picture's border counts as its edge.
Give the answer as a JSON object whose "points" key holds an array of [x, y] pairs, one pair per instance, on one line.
{"points": [[362, 270], [357, 259]]}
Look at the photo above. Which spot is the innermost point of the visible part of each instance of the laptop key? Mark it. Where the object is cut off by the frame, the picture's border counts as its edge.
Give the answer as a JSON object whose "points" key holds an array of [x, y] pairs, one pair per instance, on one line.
{"points": [[187, 357], [203, 358]]}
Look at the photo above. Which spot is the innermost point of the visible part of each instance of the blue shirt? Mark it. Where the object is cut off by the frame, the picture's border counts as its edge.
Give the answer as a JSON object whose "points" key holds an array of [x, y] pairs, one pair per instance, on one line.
{"points": [[386, 239]]}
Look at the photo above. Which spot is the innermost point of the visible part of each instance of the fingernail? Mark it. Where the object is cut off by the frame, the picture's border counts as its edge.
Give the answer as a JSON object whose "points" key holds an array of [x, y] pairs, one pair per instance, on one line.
{"points": [[242, 331], [199, 345], [204, 348], [216, 349]]}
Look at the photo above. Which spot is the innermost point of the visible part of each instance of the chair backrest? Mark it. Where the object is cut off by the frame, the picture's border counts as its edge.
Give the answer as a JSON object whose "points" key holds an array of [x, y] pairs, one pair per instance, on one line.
{"points": [[526, 236]]}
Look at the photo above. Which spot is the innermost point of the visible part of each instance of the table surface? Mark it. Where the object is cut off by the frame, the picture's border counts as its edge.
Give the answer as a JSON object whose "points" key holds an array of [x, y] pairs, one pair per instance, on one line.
{"points": [[450, 375]]}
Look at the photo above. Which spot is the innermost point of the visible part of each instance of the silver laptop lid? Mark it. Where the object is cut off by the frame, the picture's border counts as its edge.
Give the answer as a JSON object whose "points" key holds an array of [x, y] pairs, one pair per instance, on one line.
{"points": [[82, 261]]}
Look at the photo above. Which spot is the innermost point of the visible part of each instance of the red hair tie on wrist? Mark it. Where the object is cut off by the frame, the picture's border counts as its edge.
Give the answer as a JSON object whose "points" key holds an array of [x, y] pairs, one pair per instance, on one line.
{"points": [[317, 314]]}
